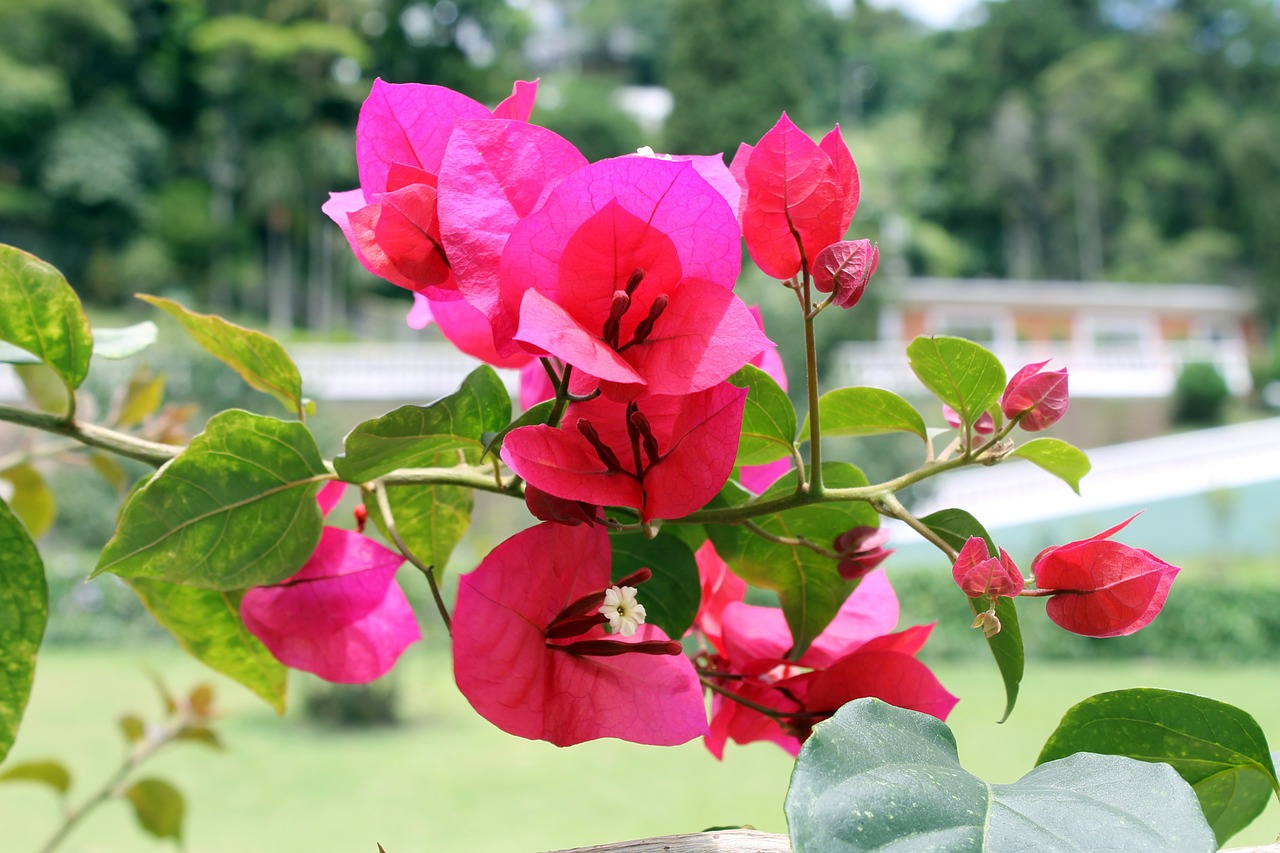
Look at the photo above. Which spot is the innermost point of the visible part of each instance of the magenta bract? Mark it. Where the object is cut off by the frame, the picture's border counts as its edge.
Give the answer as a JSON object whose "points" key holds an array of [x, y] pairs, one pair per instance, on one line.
{"points": [[537, 687], [1104, 588], [861, 549], [684, 447], [1039, 396]]}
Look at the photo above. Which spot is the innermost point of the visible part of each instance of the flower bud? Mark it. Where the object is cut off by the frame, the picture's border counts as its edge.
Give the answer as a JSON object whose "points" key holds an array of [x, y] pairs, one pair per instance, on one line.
{"points": [[861, 549], [978, 573], [846, 267], [1036, 395]]}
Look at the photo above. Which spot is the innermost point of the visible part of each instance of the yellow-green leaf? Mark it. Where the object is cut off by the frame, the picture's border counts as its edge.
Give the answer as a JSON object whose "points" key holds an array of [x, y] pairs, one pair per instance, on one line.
{"points": [[32, 500], [158, 807], [40, 313]]}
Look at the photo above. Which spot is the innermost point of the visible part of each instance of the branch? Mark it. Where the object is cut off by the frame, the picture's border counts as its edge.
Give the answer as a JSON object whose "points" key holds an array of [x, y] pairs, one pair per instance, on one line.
{"points": [[120, 443]]}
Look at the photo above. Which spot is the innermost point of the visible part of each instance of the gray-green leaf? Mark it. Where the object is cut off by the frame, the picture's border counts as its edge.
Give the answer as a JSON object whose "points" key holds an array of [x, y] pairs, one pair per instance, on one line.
{"points": [[879, 778]]}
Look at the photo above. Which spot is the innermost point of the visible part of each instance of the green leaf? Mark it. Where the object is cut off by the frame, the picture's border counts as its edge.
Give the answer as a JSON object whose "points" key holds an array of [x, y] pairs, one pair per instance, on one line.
{"points": [[1217, 748], [960, 373], [202, 735], [808, 583], [768, 421], [876, 777], [207, 624], [133, 728], [40, 313], [259, 359], [414, 436], [32, 499], [955, 526], [867, 411], [431, 519], [44, 387], [236, 509], [24, 609], [671, 597], [158, 807], [534, 416], [51, 773], [118, 344], [1064, 461]]}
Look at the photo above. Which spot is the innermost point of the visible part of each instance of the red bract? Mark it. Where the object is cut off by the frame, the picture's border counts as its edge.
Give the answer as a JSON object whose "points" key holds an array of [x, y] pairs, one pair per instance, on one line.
{"points": [[626, 273], [341, 616], [861, 549], [852, 658], [1101, 588], [531, 655], [799, 197], [985, 425], [846, 267], [664, 456], [391, 221], [978, 573], [1039, 396]]}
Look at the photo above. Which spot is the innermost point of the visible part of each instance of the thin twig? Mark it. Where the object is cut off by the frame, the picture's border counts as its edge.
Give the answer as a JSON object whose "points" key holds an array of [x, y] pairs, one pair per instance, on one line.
{"points": [[384, 507], [792, 541]]}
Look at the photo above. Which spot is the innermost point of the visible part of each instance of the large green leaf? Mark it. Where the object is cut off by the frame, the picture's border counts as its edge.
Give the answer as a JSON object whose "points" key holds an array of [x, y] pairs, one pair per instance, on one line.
{"points": [[1217, 748], [955, 526], [158, 806], [259, 359], [807, 582], [236, 509], [867, 411], [207, 623], [431, 519], [961, 373], [768, 420], [40, 313], [672, 595], [414, 436], [879, 778], [1063, 460], [24, 609]]}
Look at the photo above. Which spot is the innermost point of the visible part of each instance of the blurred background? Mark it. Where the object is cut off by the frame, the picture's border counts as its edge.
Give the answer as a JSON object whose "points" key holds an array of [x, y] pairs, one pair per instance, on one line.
{"points": [[1093, 181]]}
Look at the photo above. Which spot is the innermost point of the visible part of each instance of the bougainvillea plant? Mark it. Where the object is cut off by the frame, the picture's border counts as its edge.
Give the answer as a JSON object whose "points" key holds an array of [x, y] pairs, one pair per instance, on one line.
{"points": [[660, 452]]}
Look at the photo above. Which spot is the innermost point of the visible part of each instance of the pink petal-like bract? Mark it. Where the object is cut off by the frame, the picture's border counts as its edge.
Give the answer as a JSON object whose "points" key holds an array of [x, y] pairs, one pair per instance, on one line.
{"points": [[695, 438], [985, 425], [469, 331], [519, 104], [891, 676], [407, 124], [341, 616], [504, 665], [833, 145], [1106, 589], [494, 174], [792, 188], [978, 573], [720, 588], [845, 267], [1040, 396], [397, 236], [638, 221], [752, 632]]}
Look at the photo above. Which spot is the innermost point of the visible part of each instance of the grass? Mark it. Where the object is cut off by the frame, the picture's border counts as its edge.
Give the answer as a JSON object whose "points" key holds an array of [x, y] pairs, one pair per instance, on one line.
{"points": [[446, 780]]}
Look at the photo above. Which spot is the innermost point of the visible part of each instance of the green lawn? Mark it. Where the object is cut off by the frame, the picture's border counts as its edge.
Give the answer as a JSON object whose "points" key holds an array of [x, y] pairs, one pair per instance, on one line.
{"points": [[448, 781]]}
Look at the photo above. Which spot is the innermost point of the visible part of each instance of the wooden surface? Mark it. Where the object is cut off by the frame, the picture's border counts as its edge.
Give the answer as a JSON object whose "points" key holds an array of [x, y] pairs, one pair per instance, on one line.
{"points": [[750, 841]]}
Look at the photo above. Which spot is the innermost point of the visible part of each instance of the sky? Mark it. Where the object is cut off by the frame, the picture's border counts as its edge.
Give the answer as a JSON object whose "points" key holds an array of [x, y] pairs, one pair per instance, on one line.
{"points": [[936, 13]]}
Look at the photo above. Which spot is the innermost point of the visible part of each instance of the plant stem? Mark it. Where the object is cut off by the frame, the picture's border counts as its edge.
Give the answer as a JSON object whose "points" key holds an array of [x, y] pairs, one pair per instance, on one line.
{"points": [[811, 377], [796, 541], [890, 505], [384, 507], [111, 788], [119, 443]]}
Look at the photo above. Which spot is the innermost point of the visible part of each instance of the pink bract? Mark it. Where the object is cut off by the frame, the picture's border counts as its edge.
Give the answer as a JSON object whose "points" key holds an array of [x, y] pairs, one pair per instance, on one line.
{"points": [[510, 673], [978, 573], [1040, 396], [695, 440], [795, 188], [625, 273], [1104, 588], [341, 616]]}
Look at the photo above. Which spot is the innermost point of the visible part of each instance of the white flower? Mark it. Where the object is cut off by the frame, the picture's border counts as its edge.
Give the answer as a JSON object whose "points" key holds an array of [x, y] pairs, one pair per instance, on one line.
{"points": [[624, 612]]}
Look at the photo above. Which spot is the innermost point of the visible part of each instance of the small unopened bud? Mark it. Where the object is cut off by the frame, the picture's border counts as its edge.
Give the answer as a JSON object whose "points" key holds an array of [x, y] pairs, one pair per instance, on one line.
{"points": [[988, 622]]}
